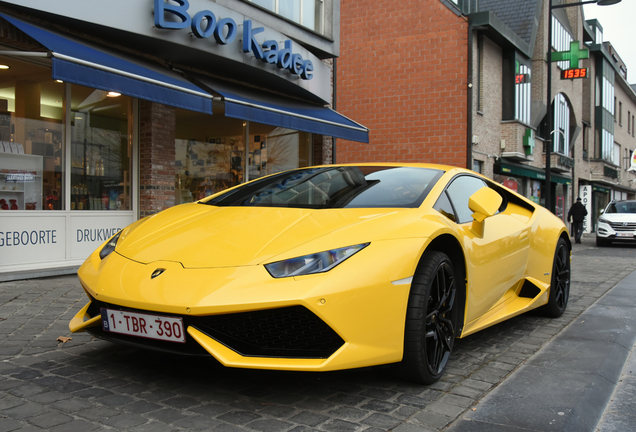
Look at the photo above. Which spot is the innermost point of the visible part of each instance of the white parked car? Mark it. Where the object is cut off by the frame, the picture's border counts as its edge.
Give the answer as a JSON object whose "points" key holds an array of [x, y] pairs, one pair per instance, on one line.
{"points": [[617, 223]]}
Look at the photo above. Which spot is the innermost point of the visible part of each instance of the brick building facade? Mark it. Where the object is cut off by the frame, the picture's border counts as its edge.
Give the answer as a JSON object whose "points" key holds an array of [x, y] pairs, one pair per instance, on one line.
{"points": [[402, 72]]}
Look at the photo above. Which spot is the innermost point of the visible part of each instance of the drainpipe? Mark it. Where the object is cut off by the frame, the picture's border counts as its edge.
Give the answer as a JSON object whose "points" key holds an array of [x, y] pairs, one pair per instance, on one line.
{"points": [[469, 122], [334, 98]]}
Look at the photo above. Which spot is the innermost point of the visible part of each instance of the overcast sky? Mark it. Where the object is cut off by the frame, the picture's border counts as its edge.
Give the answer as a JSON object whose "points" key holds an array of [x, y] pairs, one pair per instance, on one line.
{"points": [[619, 28]]}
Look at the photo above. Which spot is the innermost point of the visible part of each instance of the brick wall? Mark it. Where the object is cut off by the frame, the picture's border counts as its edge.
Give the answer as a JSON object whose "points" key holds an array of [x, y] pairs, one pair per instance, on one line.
{"points": [[156, 157], [402, 72]]}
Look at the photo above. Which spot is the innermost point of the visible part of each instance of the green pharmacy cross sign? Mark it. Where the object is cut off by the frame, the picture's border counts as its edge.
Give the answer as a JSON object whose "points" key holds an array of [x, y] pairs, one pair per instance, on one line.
{"points": [[574, 55]]}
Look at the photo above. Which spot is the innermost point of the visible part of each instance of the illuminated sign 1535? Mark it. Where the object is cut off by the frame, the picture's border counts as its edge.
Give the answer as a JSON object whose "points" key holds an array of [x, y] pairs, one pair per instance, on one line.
{"points": [[574, 73]]}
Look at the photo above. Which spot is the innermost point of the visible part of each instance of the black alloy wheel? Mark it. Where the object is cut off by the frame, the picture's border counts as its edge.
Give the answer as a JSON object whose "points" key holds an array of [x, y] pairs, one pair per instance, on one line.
{"points": [[431, 320], [560, 283]]}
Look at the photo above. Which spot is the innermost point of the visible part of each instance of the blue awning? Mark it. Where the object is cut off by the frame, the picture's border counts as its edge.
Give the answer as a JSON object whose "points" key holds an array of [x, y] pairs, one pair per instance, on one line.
{"points": [[79, 63], [261, 107]]}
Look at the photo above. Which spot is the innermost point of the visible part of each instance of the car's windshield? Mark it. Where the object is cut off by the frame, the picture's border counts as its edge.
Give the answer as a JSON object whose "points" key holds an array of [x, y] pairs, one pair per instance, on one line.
{"points": [[336, 187], [622, 207]]}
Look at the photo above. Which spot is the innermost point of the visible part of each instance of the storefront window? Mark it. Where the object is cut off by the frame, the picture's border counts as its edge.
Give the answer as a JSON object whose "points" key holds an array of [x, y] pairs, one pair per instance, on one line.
{"points": [[31, 136], [211, 152], [101, 146]]}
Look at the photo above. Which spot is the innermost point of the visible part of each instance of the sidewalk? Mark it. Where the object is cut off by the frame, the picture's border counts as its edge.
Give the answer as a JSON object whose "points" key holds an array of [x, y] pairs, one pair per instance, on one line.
{"points": [[568, 384]]}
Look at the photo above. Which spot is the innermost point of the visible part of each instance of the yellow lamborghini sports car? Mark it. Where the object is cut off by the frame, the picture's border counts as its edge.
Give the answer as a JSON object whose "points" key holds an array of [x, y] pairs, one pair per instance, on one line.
{"points": [[328, 268]]}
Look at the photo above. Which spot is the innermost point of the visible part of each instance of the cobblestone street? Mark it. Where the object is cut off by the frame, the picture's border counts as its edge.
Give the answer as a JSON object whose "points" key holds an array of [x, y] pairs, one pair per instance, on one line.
{"points": [[88, 385]]}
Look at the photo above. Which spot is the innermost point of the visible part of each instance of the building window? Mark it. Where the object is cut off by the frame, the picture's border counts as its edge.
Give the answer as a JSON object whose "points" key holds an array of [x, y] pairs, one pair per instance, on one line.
{"points": [[31, 137], [478, 166], [617, 154], [609, 101], [620, 113], [101, 149], [607, 145], [560, 40], [629, 117], [523, 93], [308, 13], [561, 132], [516, 88]]}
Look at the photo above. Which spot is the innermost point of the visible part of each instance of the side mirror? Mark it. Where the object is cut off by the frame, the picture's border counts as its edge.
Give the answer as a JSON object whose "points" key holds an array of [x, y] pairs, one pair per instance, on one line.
{"points": [[484, 203], [602, 211]]}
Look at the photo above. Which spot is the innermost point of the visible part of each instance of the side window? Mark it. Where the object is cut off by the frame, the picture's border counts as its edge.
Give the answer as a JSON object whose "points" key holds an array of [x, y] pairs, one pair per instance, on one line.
{"points": [[460, 191], [444, 206]]}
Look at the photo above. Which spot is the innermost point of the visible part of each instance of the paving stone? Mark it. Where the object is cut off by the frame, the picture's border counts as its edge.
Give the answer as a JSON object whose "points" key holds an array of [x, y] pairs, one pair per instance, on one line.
{"points": [[124, 421], [340, 426], [309, 418], [382, 421], [436, 420], [26, 410], [197, 423], [167, 415], [76, 426], [8, 424], [269, 425], [98, 412], [71, 405], [50, 419], [9, 401], [141, 407], [348, 413]]}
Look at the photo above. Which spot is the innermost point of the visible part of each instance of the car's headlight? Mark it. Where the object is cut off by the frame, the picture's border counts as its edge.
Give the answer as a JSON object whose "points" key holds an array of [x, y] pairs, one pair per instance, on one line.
{"points": [[601, 219], [314, 263], [110, 246]]}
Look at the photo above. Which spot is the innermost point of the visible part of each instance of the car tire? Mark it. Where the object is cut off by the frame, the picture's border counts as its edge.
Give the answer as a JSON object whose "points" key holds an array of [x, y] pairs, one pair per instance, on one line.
{"points": [[600, 242], [431, 319], [560, 281]]}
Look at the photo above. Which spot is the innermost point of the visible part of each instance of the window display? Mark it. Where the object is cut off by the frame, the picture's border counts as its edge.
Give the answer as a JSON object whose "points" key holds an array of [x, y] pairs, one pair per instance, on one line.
{"points": [[211, 152], [100, 149], [31, 131]]}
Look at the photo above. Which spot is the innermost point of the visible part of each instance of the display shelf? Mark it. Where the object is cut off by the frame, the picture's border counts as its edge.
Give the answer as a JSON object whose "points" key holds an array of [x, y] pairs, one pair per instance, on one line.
{"points": [[21, 180]]}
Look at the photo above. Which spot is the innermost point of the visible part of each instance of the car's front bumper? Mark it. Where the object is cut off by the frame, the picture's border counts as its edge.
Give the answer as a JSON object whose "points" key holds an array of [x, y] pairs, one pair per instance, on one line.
{"points": [[351, 316], [616, 232]]}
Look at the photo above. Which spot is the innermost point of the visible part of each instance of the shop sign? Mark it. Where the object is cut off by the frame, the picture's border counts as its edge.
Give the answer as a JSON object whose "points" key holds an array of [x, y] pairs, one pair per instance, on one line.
{"points": [[20, 177], [566, 161], [585, 193], [88, 233], [32, 240], [205, 24]]}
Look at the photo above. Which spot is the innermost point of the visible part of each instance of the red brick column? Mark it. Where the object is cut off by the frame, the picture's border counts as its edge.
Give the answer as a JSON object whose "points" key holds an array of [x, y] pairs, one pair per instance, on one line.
{"points": [[156, 157]]}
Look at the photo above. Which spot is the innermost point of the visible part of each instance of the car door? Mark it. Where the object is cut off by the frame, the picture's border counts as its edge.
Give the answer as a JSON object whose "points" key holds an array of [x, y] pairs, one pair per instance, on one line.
{"points": [[495, 257]]}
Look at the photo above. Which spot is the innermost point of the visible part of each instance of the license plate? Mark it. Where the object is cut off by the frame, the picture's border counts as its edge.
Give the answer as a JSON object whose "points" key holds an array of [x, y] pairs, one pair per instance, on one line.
{"points": [[143, 325], [624, 234]]}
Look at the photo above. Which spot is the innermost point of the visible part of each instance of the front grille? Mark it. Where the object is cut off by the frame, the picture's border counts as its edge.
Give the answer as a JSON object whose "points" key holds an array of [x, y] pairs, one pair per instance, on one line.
{"points": [[292, 332], [285, 332], [623, 226]]}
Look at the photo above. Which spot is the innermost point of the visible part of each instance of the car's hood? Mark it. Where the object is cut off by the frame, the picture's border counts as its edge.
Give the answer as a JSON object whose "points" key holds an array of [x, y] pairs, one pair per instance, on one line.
{"points": [[619, 217], [203, 236]]}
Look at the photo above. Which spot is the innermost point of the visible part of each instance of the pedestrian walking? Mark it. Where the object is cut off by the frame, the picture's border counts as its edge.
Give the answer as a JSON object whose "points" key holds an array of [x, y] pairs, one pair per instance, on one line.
{"points": [[576, 215]]}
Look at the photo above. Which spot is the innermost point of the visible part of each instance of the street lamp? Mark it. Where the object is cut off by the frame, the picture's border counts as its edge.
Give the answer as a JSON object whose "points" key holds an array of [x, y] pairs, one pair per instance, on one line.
{"points": [[548, 151]]}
